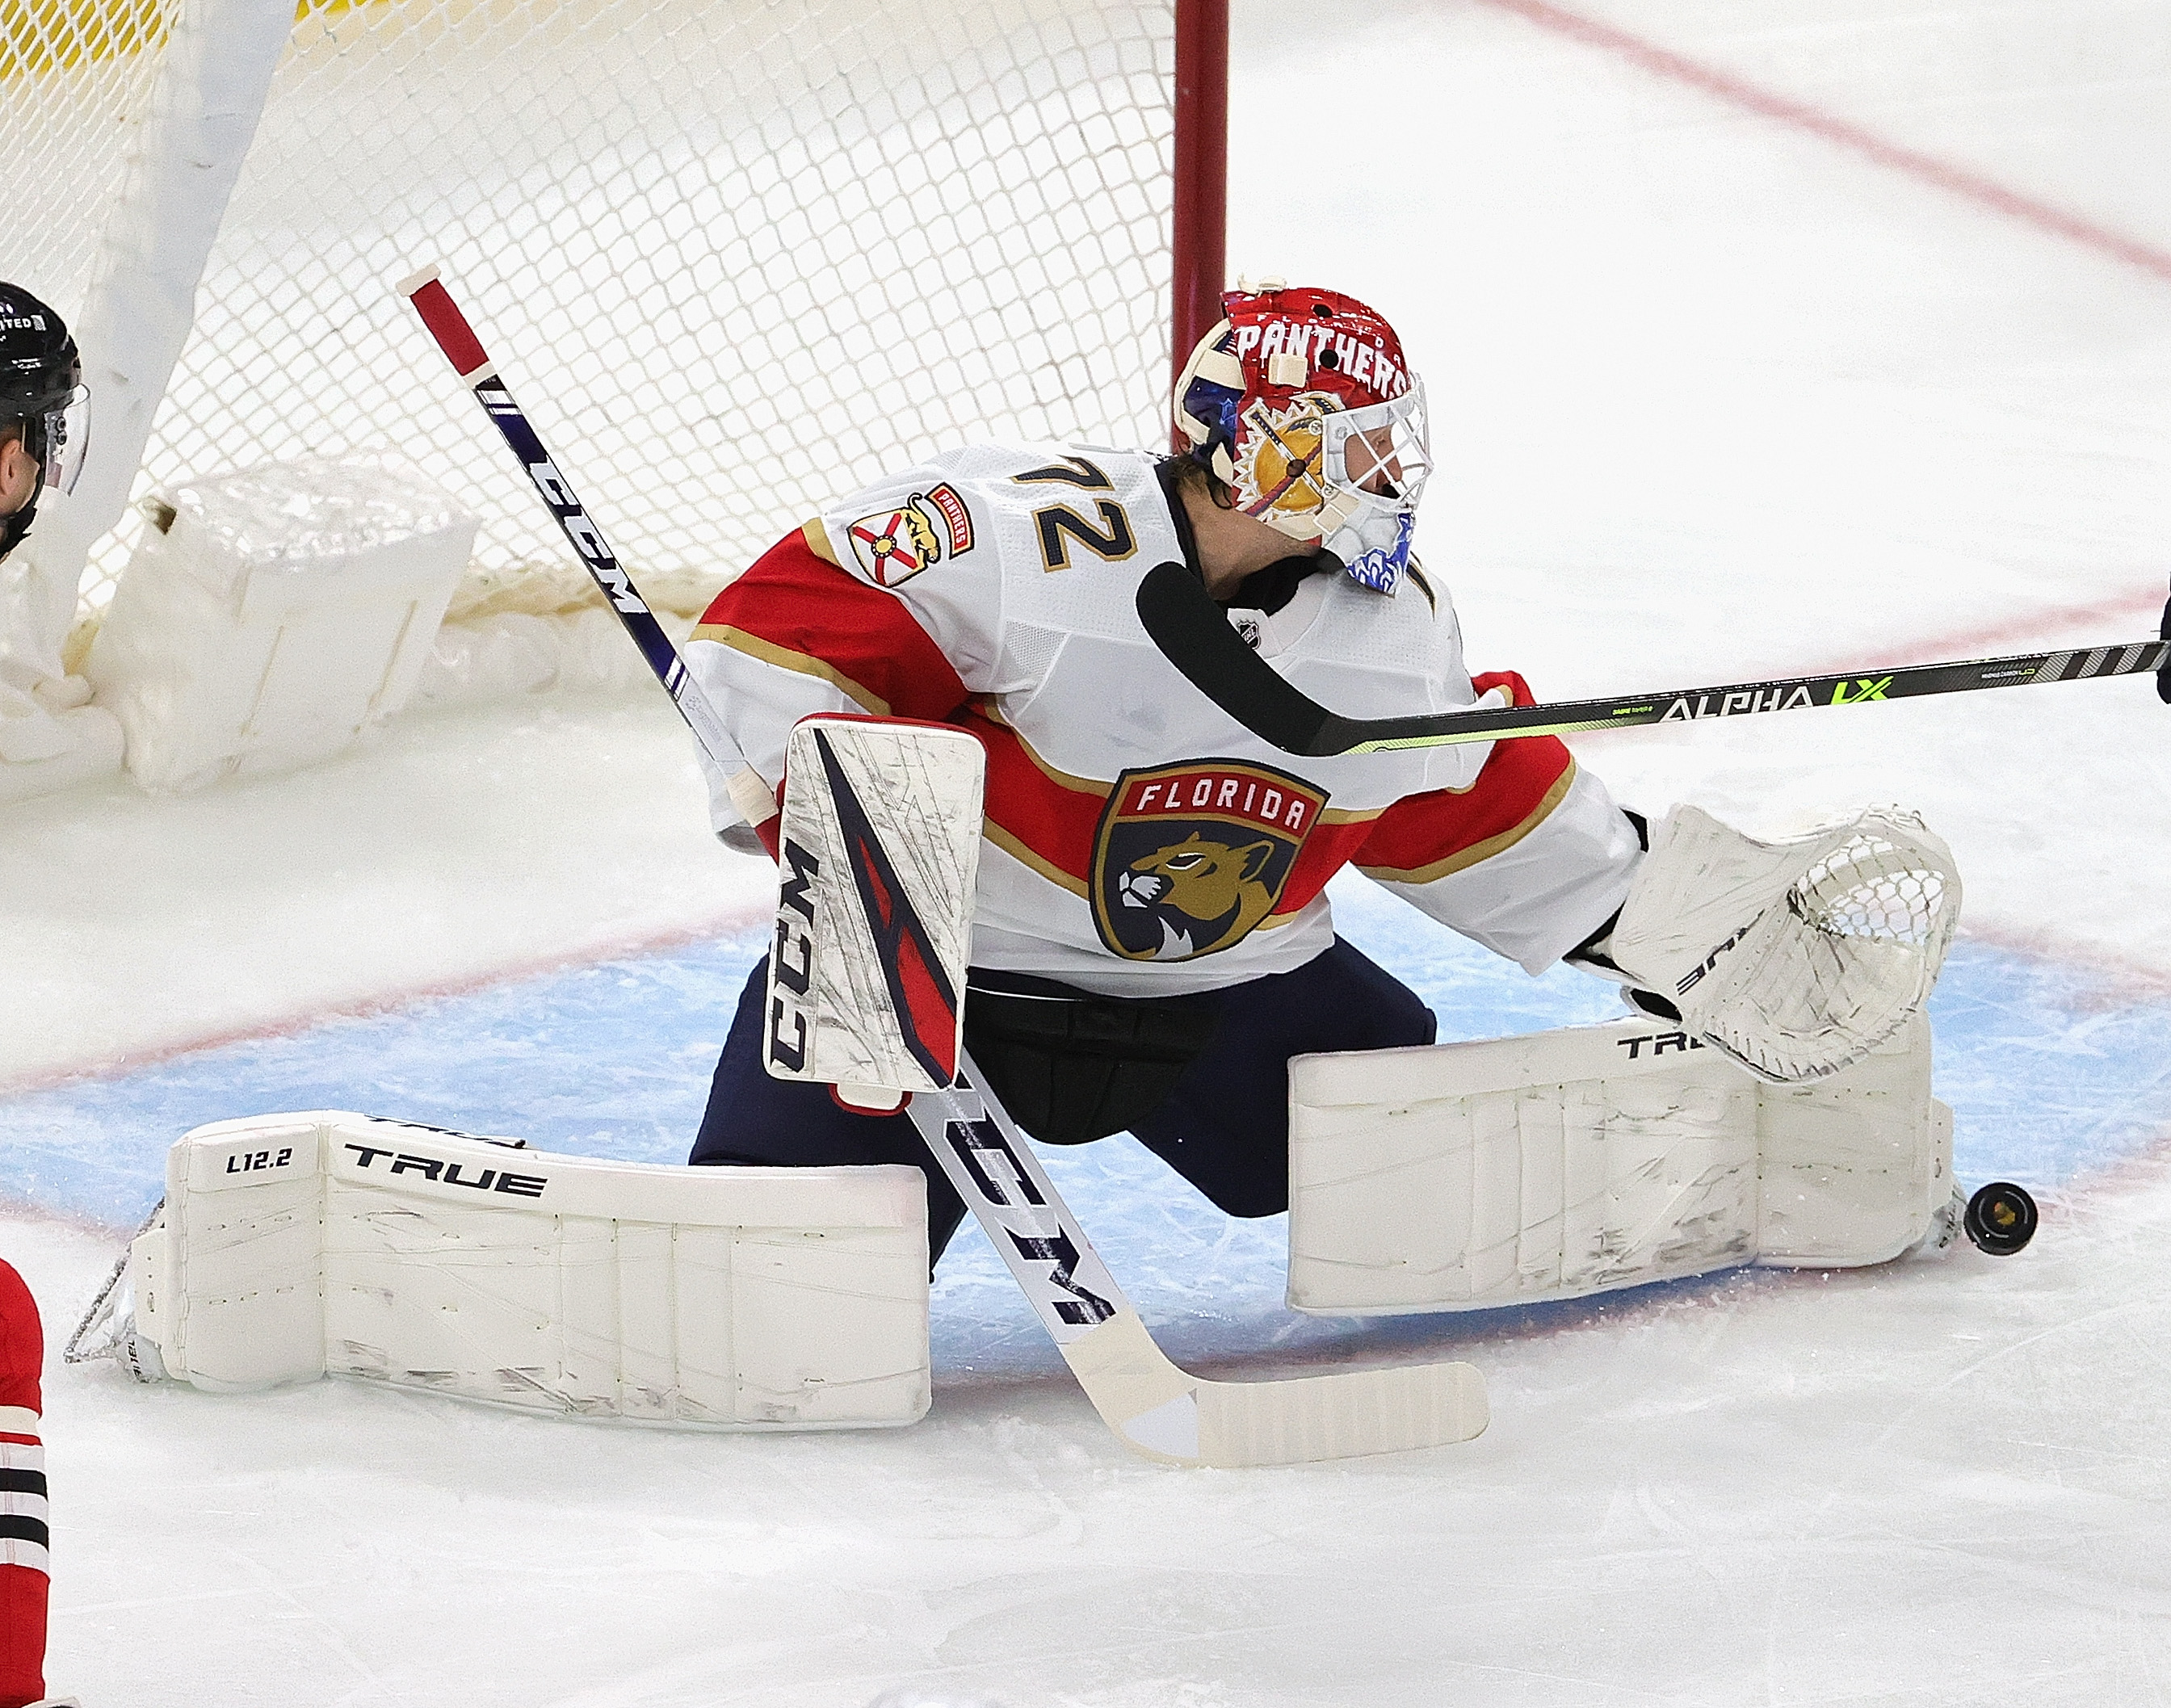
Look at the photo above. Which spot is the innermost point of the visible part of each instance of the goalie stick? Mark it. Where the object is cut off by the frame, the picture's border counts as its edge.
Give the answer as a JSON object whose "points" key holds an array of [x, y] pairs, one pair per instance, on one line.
{"points": [[1157, 1408], [450, 327], [1193, 633], [1154, 1407]]}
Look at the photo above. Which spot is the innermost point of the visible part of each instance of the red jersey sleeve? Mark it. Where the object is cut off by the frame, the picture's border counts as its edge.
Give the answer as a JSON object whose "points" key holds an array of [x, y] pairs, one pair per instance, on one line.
{"points": [[795, 610], [1422, 838]]}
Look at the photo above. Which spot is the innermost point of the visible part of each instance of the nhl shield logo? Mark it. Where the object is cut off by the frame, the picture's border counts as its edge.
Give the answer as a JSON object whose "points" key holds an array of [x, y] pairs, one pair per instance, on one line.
{"points": [[1189, 858]]}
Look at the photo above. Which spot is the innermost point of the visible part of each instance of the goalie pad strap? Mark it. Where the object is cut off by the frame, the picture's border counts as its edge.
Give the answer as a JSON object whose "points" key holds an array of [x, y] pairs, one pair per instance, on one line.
{"points": [[326, 1243]]}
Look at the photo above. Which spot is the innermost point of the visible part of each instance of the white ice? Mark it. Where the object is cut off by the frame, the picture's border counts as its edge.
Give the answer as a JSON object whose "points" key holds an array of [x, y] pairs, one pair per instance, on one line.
{"points": [[1714, 397]]}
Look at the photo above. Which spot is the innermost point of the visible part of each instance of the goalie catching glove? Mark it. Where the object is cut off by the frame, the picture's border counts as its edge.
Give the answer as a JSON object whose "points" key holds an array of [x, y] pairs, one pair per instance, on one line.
{"points": [[1796, 958]]}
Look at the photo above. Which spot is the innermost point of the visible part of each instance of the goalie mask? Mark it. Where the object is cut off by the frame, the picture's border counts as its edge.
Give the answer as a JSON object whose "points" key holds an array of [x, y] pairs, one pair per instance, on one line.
{"points": [[42, 396], [1300, 402]]}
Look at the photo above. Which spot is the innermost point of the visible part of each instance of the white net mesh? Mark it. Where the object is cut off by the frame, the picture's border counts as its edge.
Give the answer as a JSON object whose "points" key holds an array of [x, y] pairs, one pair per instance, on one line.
{"points": [[733, 258], [1870, 886], [74, 79]]}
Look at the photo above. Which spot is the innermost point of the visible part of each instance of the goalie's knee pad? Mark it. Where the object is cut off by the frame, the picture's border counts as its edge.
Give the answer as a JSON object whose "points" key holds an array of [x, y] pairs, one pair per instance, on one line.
{"points": [[1795, 958], [1462, 1177], [290, 1246]]}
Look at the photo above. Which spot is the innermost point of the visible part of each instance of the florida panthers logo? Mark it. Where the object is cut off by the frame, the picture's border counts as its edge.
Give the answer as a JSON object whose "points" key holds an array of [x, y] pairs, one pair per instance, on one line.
{"points": [[1190, 859], [893, 545]]}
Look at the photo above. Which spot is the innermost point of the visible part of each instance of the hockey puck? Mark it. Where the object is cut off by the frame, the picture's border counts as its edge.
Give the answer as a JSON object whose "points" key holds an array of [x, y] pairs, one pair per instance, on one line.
{"points": [[2001, 1218]]}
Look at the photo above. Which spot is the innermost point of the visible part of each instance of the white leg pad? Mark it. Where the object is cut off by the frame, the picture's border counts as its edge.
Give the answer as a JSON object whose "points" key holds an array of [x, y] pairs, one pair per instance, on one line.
{"points": [[1462, 1177], [292, 1246]]}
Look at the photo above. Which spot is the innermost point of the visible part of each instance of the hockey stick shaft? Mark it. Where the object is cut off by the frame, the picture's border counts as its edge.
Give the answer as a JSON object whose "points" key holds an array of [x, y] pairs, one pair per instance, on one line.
{"points": [[1032, 1230], [441, 316], [1194, 634], [1155, 1407]]}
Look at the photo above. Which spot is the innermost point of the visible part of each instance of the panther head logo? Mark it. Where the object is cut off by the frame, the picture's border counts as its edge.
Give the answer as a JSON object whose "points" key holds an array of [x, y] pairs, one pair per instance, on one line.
{"points": [[1190, 858], [1200, 891]]}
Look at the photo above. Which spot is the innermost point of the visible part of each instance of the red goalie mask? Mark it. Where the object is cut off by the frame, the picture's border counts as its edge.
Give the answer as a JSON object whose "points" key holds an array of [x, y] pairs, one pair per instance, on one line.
{"points": [[1301, 402]]}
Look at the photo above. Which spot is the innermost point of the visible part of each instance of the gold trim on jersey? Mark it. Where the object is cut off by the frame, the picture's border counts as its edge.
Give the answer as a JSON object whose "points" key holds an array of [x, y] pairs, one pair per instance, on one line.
{"points": [[799, 663], [985, 706], [818, 542], [1466, 858], [1025, 856]]}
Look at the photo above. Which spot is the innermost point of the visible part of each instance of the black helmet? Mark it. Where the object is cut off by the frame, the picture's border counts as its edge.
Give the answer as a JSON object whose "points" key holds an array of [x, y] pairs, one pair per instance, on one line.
{"points": [[39, 367], [41, 391]]}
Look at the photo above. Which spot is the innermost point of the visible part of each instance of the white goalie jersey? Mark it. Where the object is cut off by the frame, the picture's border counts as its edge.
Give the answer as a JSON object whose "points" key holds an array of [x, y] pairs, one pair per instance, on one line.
{"points": [[1137, 838]]}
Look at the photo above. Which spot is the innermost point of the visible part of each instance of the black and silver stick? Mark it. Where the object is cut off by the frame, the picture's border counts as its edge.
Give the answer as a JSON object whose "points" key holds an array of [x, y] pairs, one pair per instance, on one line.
{"points": [[479, 373], [1194, 634]]}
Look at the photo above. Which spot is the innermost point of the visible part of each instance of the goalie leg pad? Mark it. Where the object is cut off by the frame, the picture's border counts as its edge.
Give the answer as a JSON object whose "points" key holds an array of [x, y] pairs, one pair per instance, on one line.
{"points": [[1464, 1176], [292, 1246]]}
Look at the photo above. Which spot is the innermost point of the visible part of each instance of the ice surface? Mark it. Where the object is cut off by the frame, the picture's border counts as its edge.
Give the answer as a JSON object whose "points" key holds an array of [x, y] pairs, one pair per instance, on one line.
{"points": [[1715, 399], [2053, 1072], [438, 853]]}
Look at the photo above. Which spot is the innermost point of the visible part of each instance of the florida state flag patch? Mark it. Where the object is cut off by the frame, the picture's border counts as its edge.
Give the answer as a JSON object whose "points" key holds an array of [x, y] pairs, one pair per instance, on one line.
{"points": [[893, 546], [1189, 858]]}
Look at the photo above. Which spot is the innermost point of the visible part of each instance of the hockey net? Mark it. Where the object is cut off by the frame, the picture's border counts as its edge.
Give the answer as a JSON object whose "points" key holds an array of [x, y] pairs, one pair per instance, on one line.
{"points": [[738, 257]]}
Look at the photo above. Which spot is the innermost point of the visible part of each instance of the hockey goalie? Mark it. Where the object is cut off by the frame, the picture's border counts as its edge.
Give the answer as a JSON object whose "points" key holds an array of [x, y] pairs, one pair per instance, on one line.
{"points": [[1153, 945], [1116, 898]]}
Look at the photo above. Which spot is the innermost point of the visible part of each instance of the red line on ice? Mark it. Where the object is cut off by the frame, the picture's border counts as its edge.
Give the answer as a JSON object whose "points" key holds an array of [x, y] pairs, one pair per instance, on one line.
{"points": [[386, 1002], [1957, 180], [2023, 630]]}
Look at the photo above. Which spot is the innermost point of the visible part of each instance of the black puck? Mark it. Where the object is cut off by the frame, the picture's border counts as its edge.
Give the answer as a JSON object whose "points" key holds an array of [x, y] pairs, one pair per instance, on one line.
{"points": [[2001, 1218]]}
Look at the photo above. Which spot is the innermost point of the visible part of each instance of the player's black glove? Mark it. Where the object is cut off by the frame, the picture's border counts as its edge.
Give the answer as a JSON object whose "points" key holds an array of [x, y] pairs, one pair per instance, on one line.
{"points": [[2163, 675]]}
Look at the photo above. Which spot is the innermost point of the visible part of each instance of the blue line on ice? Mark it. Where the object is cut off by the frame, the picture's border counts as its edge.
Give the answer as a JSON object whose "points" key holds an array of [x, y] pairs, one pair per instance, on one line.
{"points": [[2048, 1078]]}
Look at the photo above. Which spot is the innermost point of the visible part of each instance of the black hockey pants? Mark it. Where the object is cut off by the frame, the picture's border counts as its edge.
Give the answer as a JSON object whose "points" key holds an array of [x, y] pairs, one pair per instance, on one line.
{"points": [[1202, 1081]]}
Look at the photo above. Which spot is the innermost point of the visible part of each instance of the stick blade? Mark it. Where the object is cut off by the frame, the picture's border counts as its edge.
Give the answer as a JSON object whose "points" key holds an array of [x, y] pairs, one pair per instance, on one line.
{"points": [[1349, 1415], [1165, 1413]]}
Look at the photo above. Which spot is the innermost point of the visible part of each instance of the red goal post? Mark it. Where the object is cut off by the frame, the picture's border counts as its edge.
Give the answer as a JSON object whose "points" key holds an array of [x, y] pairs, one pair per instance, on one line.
{"points": [[1199, 177], [749, 252]]}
